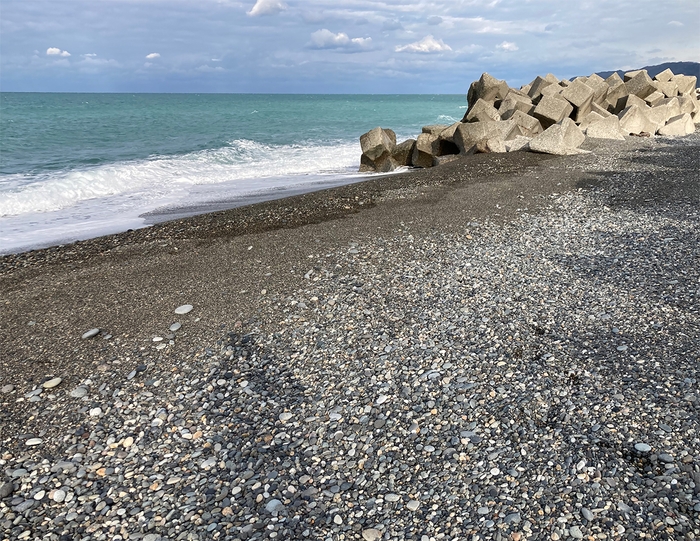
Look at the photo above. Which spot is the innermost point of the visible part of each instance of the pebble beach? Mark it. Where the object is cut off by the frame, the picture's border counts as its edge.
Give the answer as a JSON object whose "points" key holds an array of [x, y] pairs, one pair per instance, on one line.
{"points": [[504, 347]]}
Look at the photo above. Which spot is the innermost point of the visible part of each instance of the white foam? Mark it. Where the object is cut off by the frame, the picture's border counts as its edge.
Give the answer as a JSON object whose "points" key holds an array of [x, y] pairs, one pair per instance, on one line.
{"points": [[245, 161], [74, 205]]}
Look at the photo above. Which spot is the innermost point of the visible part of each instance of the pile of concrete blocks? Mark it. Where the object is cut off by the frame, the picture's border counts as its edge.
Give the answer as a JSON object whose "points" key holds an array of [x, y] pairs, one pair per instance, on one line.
{"points": [[548, 115]]}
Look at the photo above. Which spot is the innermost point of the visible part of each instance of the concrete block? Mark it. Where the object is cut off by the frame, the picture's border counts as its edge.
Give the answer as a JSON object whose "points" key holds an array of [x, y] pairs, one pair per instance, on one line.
{"points": [[536, 87], [601, 110], [525, 88], [654, 98], [487, 88], [686, 84], [448, 133], [434, 129], [467, 135], [564, 83], [686, 103], [640, 84], [560, 139], [633, 120], [551, 90], [378, 141], [606, 128], [552, 109], [513, 103], [673, 104], [529, 126], [616, 97], [599, 86], [660, 114], [667, 88], [580, 95], [403, 153], [664, 76], [377, 146], [591, 118], [614, 80], [630, 100], [678, 125], [482, 111], [488, 146], [519, 143], [425, 149], [632, 74]]}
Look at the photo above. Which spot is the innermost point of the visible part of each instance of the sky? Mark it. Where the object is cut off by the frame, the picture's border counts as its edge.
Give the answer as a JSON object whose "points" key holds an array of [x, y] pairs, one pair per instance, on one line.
{"points": [[330, 46]]}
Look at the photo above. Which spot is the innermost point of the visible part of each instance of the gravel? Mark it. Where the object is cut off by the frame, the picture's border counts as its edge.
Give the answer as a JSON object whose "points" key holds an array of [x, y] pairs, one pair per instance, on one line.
{"points": [[417, 384]]}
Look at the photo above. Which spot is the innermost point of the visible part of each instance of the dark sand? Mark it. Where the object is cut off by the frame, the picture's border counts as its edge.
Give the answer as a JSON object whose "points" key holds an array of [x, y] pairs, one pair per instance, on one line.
{"points": [[129, 284]]}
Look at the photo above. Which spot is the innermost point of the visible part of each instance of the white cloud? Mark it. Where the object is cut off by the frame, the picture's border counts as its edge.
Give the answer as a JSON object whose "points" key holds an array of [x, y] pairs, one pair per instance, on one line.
{"points": [[55, 51], [427, 45], [507, 46], [267, 7], [151, 56], [325, 39], [88, 55], [675, 23]]}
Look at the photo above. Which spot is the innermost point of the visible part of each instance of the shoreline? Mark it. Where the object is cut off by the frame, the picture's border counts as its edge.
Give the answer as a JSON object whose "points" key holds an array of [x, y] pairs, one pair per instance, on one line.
{"points": [[521, 310]]}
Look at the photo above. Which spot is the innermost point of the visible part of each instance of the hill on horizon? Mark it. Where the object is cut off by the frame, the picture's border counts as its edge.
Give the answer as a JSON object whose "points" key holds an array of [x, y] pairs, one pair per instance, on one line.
{"points": [[678, 68]]}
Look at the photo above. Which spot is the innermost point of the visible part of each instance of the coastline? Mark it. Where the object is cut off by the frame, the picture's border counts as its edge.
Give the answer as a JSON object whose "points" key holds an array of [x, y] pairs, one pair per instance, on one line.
{"points": [[246, 270]]}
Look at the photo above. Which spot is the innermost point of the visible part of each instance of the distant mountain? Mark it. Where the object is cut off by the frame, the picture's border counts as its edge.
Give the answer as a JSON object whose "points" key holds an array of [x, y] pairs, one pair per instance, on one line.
{"points": [[678, 68]]}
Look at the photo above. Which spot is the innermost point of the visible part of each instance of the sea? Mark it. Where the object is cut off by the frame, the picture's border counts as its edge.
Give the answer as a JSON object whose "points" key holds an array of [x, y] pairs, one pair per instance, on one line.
{"points": [[79, 166]]}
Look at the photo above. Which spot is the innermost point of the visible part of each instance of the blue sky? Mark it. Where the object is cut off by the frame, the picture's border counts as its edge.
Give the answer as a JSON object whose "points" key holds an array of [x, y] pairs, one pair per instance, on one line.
{"points": [[327, 46]]}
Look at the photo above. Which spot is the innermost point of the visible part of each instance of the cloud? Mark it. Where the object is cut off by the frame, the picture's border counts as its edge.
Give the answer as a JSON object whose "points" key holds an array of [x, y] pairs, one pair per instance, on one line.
{"points": [[325, 39], [88, 55], [507, 46], [55, 51], [152, 56], [427, 45], [434, 20], [675, 23], [267, 7]]}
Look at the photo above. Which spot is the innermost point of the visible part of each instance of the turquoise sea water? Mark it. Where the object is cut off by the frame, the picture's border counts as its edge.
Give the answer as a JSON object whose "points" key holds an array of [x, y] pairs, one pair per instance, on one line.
{"points": [[74, 166]]}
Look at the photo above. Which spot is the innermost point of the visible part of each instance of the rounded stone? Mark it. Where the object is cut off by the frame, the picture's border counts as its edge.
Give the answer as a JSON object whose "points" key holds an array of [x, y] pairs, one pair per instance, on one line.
{"points": [[91, 333], [7, 388], [184, 309], [52, 383], [79, 392], [59, 495], [31, 442], [175, 326], [371, 534], [412, 505], [642, 447], [128, 442], [392, 497], [274, 506], [286, 416]]}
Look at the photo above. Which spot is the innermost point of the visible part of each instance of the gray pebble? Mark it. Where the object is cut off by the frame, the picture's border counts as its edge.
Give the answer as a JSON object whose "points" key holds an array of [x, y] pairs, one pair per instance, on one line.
{"points": [[91, 333]]}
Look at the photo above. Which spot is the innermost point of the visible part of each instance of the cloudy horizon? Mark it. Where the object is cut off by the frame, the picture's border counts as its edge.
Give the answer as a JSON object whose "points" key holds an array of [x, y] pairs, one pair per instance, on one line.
{"points": [[320, 46]]}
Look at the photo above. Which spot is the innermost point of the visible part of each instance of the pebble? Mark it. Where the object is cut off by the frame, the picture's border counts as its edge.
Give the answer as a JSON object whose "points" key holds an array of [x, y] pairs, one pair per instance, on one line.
{"points": [[6, 489], [642, 447], [461, 381], [575, 532], [175, 327], [31, 442], [95, 412], [371, 534], [79, 392], [7, 388], [50, 384], [91, 333], [184, 309]]}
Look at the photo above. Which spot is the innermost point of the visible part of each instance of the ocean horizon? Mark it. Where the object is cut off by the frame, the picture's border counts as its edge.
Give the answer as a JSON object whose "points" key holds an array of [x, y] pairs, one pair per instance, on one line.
{"points": [[80, 165]]}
